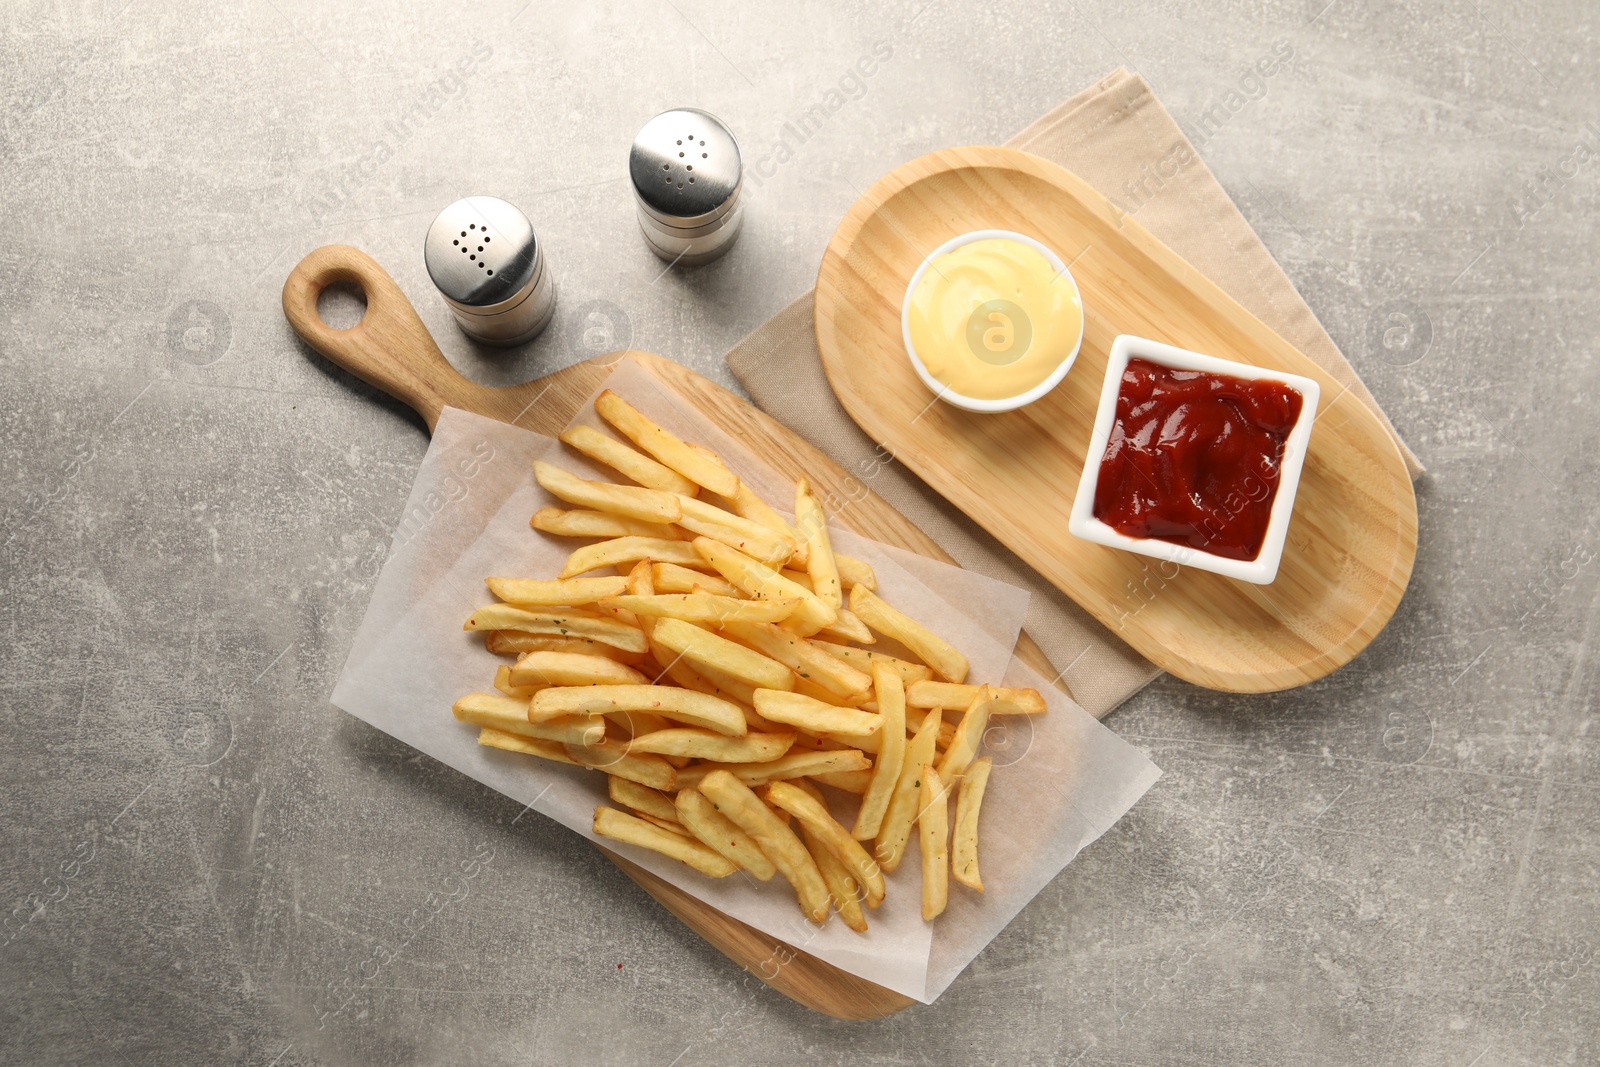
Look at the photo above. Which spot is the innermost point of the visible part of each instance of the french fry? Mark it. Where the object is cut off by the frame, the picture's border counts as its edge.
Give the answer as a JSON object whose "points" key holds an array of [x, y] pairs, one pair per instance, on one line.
{"points": [[747, 504], [554, 751], [863, 659], [628, 501], [742, 807], [812, 525], [849, 627], [814, 715], [510, 715], [671, 825], [857, 782], [700, 816], [502, 682], [632, 830], [932, 649], [570, 668], [706, 607], [964, 853], [947, 729], [703, 646], [627, 725], [736, 531], [808, 687], [843, 888], [933, 833], [764, 583], [675, 578], [890, 848], [969, 735], [614, 758], [631, 464], [517, 643], [623, 551], [669, 702], [891, 697], [596, 524], [700, 677], [854, 572], [640, 798], [815, 817], [801, 764], [536, 593], [560, 623], [700, 466], [708, 745], [796, 653], [1005, 700]]}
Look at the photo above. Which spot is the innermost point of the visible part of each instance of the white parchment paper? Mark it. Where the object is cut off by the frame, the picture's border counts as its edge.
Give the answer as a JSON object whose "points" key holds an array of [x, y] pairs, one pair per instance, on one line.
{"points": [[1060, 781]]}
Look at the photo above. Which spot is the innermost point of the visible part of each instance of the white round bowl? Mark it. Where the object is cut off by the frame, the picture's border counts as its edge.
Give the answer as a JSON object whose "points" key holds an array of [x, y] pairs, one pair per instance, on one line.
{"points": [[944, 392]]}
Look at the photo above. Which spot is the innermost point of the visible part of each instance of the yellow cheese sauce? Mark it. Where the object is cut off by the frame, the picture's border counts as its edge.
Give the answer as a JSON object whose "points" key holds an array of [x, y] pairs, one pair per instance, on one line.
{"points": [[992, 319]]}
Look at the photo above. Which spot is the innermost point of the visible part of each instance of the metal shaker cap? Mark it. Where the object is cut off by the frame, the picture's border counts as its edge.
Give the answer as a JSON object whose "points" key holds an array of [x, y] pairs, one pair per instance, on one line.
{"points": [[481, 252], [686, 168]]}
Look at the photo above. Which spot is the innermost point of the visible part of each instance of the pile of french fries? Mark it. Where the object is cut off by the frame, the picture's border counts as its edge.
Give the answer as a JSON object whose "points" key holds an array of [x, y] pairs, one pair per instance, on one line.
{"points": [[718, 679]]}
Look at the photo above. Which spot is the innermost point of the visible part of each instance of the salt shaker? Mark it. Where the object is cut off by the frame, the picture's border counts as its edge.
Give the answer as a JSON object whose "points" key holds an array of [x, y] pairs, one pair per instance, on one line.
{"points": [[490, 267], [687, 176]]}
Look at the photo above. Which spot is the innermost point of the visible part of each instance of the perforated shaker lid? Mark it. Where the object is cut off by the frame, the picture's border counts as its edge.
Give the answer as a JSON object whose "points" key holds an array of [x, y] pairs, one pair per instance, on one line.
{"points": [[481, 251], [685, 167]]}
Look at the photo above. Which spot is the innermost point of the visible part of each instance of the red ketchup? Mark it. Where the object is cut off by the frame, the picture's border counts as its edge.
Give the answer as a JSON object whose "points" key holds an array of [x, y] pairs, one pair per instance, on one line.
{"points": [[1194, 458]]}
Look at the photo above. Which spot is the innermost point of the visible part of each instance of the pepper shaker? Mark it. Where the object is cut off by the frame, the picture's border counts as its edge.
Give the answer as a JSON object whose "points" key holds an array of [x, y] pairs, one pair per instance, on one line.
{"points": [[490, 268], [687, 176]]}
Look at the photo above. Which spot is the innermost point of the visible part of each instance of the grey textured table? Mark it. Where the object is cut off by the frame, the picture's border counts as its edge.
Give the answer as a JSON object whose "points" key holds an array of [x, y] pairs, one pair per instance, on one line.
{"points": [[204, 862]]}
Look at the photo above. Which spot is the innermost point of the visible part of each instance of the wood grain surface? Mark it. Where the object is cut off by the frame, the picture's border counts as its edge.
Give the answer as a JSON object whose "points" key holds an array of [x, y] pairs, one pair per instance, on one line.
{"points": [[391, 350], [1354, 534]]}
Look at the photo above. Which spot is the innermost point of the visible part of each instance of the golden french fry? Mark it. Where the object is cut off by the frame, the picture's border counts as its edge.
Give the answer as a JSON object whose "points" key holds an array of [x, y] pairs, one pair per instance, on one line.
{"points": [[700, 466], [613, 757], [704, 647], [842, 885], [623, 551], [596, 524], [933, 833], [669, 702], [700, 817], [815, 816], [750, 506], [735, 531], [640, 798], [555, 751], [863, 659], [969, 735], [802, 764], [854, 572], [706, 607], [671, 825], [630, 829], [560, 622], [857, 782], [890, 848], [502, 682], [764, 583], [964, 855], [631, 464], [947, 729], [932, 649], [742, 807], [517, 643], [510, 715], [795, 709], [629, 501], [708, 745], [534, 593], [675, 578], [812, 524], [571, 668], [1006, 700], [795, 652], [891, 696], [808, 687], [849, 627]]}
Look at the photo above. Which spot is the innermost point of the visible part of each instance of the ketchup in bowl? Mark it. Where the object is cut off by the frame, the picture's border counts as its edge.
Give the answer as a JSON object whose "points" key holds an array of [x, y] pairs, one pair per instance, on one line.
{"points": [[1195, 458]]}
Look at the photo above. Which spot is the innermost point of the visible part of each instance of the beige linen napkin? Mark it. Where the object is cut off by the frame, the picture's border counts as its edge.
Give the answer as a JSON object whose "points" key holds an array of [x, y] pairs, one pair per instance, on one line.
{"points": [[1117, 137]]}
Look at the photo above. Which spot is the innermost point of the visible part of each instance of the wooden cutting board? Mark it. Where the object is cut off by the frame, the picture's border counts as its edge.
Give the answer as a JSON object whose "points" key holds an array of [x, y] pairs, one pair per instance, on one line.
{"points": [[1354, 534], [391, 350]]}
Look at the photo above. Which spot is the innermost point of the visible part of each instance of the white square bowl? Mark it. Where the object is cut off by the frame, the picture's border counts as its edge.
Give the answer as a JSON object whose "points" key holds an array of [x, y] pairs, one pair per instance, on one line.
{"points": [[1264, 568]]}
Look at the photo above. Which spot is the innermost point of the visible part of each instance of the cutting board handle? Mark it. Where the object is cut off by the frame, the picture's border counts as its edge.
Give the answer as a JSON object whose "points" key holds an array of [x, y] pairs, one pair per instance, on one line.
{"points": [[390, 349]]}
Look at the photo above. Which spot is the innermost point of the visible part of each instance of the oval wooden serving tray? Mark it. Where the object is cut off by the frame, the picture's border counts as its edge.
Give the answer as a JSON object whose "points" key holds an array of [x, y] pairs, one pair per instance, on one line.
{"points": [[391, 350], [1354, 534]]}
